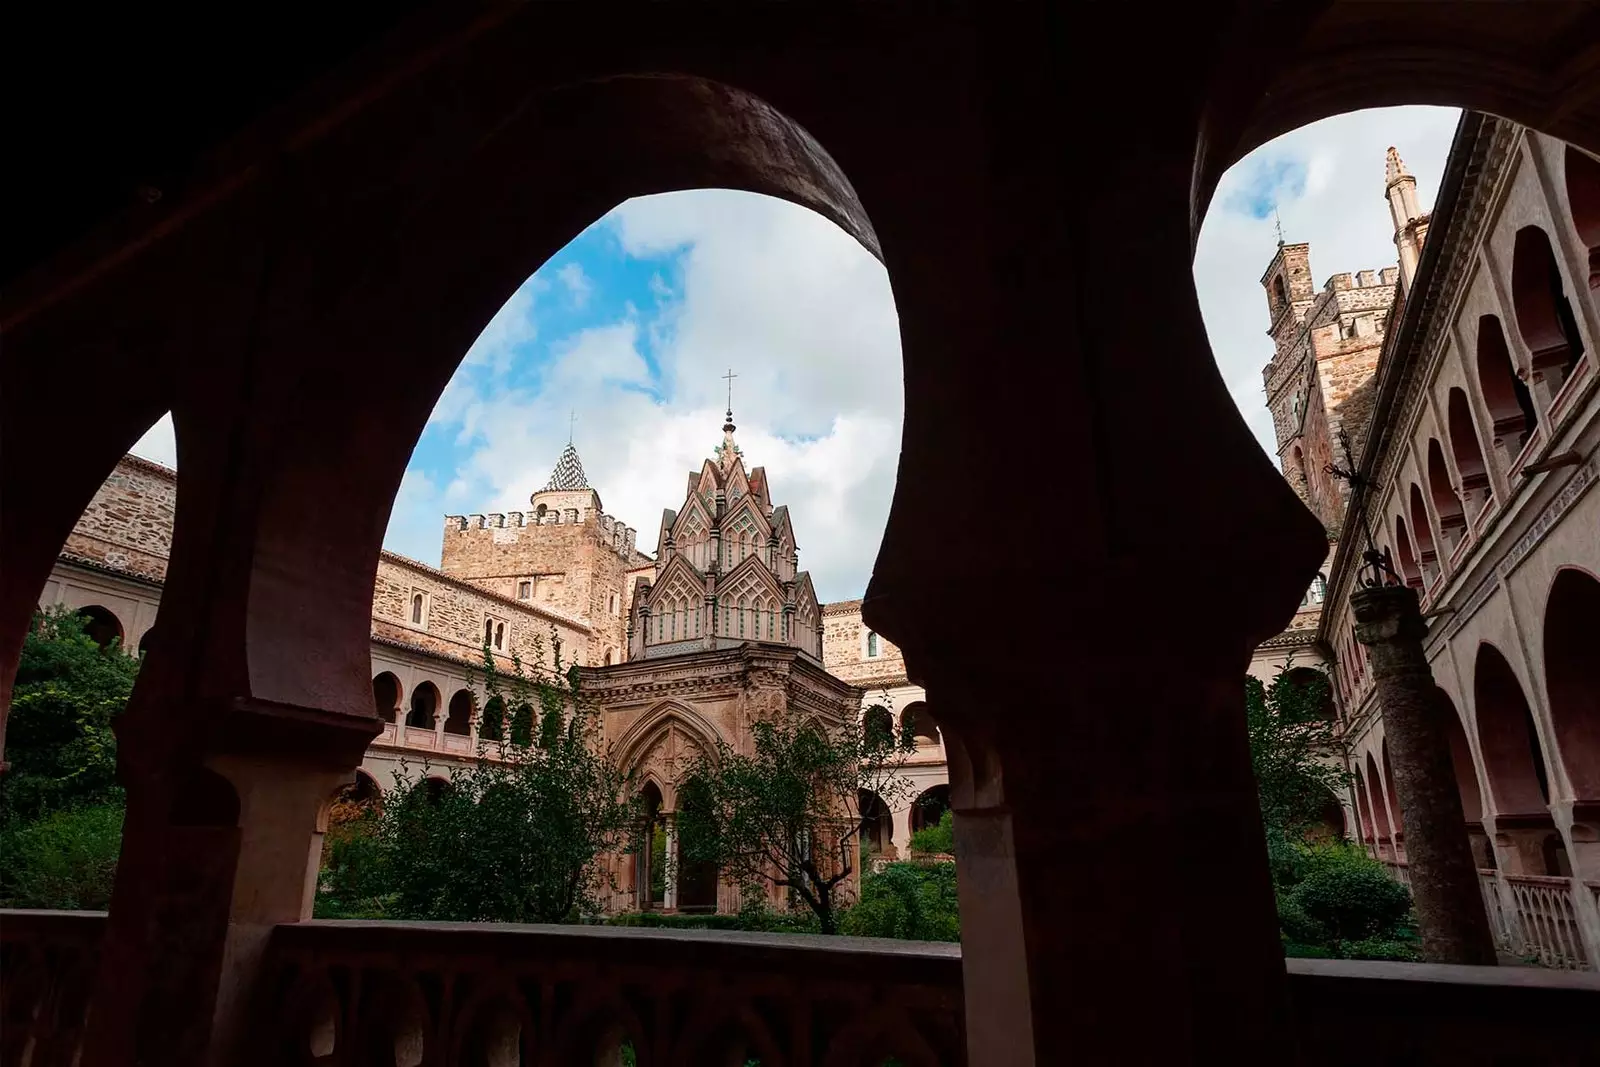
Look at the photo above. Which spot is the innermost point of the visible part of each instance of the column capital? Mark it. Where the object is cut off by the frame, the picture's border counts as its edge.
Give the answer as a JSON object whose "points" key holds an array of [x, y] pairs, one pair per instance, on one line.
{"points": [[1387, 613]]}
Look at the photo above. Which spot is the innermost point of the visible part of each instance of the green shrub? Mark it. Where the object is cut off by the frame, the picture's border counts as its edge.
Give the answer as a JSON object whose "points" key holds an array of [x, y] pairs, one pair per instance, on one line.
{"points": [[939, 839], [1349, 895], [661, 920], [1381, 948], [914, 901], [66, 860]]}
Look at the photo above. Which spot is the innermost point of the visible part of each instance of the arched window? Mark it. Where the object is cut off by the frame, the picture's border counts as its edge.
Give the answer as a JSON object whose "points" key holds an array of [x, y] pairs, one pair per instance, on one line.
{"points": [[416, 609], [1464, 445], [1512, 758], [459, 719], [1510, 403], [1452, 519], [1583, 197], [101, 625], [872, 645], [1279, 296], [878, 725], [499, 635], [488, 632], [1544, 314], [386, 695], [607, 660], [424, 704], [493, 726], [917, 720]]}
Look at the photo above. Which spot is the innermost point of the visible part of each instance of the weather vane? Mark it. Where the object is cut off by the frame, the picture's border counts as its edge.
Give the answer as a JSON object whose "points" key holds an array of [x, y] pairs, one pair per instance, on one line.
{"points": [[1277, 222], [572, 420], [1377, 570]]}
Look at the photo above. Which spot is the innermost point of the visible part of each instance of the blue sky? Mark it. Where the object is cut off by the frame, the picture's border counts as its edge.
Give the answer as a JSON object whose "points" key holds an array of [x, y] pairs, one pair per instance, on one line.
{"points": [[632, 325]]}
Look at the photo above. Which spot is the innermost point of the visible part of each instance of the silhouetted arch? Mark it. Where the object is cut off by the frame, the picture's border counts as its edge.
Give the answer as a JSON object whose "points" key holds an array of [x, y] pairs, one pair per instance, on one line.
{"points": [[1316, 682], [459, 719], [1369, 825], [101, 625], [386, 695], [1375, 798], [493, 726], [878, 724], [424, 706], [1583, 196], [1510, 404], [1446, 504], [1572, 676], [1544, 314], [1506, 737], [697, 881]]}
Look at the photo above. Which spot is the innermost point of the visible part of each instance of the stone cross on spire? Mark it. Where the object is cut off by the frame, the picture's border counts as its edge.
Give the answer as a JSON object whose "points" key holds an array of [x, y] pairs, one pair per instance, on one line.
{"points": [[727, 450]]}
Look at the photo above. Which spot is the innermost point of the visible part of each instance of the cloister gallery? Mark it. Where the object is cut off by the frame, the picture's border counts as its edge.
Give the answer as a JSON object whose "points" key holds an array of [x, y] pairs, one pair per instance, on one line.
{"points": [[288, 238]]}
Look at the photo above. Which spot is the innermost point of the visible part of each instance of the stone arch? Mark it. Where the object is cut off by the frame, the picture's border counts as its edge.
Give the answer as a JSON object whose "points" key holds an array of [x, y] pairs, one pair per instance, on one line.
{"points": [[1311, 678], [1583, 198], [1572, 677], [1405, 560], [1396, 816], [1543, 311], [424, 706], [1377, 802], [878, 723], [493, 1028], [386, 693], [101, 625], [492, 727], [929, 807], [1512, 759], [459, 719], [661, 740], [1464, 443], [919, 722], [876, 821], [1461, 761], [697, 881], [1446, 504], [1510, 404], [1427, 550], [1369, 825]]}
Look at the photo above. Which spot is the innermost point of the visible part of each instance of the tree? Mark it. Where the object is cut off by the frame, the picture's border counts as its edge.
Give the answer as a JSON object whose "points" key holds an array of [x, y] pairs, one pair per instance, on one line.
{"points": [[59, 742], [516, 837], [788, 813], [1293, 751]]}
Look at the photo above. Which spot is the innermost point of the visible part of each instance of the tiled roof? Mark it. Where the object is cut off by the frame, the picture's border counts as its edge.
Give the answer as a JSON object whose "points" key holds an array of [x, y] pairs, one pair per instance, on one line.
{"points": [[569, 471]]}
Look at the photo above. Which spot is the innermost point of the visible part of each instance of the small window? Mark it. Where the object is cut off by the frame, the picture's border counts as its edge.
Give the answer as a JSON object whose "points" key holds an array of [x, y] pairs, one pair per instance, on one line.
{"points": [[418, 609], [500, 635], [872, 645], [488, 631], [524, 590], [611, 604], [1319, 589]]}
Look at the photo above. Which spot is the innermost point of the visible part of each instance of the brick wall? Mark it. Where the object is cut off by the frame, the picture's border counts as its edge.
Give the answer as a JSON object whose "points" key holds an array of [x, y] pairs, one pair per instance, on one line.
{"points": [[128, 524], [844, 648]]}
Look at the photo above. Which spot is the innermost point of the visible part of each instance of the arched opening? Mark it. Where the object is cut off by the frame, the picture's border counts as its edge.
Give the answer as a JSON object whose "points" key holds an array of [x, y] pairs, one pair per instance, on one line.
{"points": [[1518, 782], [1330, 824], [145, 640], [436, 788], [878, 726], [1311, 696], [1544, 314], [1461, 759], [386, 695], [1464, 446], [493, 726], [1427, 553], [424, 705], [1396, 816], [929, 807], [101, 625], [1380, 809], [1572, 677], [1369, 827], [697, 881], [1509, 402], [1405, 559], [920, 724], [650, 851], [1446, 504], [1583, 196], [459, 719], [877, 823]]}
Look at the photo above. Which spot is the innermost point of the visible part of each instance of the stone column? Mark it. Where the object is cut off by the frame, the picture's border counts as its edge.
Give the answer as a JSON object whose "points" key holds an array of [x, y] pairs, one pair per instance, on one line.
{"points": [[1444, 878], [669, 900]]}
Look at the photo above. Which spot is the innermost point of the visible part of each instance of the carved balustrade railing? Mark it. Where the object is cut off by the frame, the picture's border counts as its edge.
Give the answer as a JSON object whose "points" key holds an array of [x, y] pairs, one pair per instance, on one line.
{"points": [[413, 994], [1554, 922]]}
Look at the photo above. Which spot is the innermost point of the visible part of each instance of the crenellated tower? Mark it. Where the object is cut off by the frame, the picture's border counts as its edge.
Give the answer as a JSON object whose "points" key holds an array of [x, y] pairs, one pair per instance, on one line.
{"points": [[726, 570]]}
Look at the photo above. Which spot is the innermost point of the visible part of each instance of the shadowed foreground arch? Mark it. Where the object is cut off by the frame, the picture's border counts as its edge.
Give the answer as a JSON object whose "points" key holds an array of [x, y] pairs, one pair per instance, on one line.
{"points": [[299, 300]]}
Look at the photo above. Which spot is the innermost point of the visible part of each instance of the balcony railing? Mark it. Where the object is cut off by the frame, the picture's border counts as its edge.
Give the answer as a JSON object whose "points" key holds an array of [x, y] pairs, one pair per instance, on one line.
{"points": [[445, 993], [1554, 922]]}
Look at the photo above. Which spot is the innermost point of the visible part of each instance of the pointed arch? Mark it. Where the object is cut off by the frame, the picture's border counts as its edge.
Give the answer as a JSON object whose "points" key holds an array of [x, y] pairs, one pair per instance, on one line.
{"points": [[656, 725], [1543, 311], [1422, 526], [1446, 504], [1464, 445]]}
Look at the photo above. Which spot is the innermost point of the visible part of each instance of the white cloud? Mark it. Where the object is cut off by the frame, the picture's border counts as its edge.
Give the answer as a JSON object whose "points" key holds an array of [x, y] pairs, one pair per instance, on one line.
{"points": [[509, 332], [577, 283], [159, 443], [1338, 207]]}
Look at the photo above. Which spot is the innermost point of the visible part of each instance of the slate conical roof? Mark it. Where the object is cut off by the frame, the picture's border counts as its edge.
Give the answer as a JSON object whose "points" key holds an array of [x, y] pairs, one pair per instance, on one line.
{"points": [[569, 471]]}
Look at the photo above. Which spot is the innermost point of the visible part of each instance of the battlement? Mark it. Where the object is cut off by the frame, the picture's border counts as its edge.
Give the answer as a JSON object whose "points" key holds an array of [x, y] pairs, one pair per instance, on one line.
{"points": [[1362, 279], [612, 531]]}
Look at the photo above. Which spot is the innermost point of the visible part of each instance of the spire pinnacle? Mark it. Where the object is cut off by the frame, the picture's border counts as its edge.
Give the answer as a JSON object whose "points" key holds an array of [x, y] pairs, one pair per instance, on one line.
{"points": [[727, 450], [1394, 168], [568, 472]]}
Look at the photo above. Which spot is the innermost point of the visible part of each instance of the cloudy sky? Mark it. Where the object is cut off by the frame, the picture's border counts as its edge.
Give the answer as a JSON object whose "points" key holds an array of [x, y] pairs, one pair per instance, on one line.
{"points": [[623, 338]]}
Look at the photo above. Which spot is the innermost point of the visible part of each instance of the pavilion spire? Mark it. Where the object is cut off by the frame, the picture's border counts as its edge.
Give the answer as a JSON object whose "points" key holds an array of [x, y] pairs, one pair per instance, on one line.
{"points": [[568, 472]]}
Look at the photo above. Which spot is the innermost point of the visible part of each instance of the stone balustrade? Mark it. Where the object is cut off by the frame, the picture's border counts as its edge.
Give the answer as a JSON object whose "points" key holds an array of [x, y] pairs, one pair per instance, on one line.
{"points": [[504, 994]]}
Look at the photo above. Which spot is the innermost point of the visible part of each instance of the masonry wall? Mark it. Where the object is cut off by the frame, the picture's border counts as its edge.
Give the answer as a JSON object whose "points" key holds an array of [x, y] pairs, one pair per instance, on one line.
{"points": [[575, 569], [454, 613], [128, 524], [844, 648]]}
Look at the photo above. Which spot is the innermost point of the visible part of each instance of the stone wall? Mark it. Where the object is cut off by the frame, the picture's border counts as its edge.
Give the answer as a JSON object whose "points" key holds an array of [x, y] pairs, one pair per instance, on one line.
{"points": [[844, 649], [454, 613], [580, 570], [128, 524]]}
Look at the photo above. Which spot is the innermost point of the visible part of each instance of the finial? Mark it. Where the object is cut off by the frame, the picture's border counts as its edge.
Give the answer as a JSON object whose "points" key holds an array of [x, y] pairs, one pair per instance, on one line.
{"points": [[1394, 168], [571, 421], [730, 376], [1277, 222]]}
